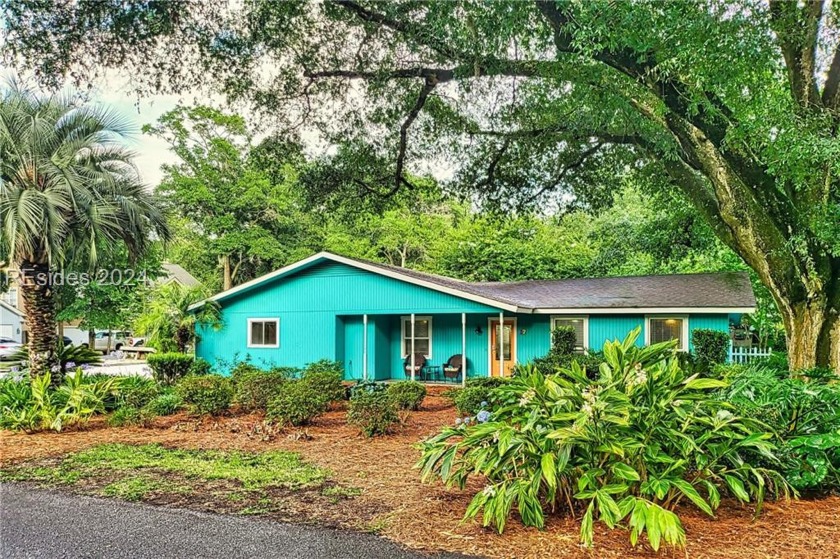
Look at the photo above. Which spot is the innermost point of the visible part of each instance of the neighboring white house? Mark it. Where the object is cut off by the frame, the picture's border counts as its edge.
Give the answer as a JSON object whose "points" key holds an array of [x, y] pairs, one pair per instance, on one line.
{"points": [[11, 315], [11, 322]]}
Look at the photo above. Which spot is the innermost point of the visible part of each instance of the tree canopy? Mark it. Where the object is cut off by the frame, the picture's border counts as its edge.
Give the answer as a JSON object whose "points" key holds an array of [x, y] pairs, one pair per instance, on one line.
{"points": [[736, 105]]}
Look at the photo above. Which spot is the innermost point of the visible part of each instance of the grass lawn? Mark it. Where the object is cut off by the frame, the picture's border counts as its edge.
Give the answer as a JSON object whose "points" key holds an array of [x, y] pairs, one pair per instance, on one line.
{"points": [[234, 465], [221, 481]]}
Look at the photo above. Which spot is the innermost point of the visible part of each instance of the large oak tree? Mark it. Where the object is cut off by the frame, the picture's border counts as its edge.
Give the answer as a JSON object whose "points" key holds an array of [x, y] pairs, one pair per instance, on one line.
{"points": [[737, 104]]}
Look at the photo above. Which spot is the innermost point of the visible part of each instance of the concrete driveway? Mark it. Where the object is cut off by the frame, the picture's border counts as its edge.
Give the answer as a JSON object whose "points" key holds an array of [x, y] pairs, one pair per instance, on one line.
{"points": [[47, 524]]}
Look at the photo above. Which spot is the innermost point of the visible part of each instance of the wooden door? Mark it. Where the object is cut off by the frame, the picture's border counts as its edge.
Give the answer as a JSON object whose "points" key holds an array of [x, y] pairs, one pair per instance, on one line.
{"points": [[506, 349]]}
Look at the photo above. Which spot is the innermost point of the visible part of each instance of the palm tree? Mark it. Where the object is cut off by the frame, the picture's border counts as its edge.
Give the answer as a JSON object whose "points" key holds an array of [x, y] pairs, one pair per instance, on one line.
{"points": [[67, 185], [169, 323]]}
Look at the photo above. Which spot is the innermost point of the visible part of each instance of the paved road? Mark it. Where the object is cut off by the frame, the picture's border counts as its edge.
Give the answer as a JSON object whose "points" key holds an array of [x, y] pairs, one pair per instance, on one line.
{"points": [[48, 524]]}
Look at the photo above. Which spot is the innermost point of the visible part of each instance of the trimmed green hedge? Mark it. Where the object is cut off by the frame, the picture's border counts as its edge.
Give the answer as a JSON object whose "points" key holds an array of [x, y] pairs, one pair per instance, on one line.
{"points": [[168, 368], [710, 346]]}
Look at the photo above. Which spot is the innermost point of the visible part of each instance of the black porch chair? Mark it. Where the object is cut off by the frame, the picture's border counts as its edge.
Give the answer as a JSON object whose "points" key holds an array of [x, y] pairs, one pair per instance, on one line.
{"points": [[419, 366], [452, 368]]}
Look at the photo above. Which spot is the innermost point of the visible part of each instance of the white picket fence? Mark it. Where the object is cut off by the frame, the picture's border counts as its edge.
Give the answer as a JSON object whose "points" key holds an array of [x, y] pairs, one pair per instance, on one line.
{"points": [[747, 354]]}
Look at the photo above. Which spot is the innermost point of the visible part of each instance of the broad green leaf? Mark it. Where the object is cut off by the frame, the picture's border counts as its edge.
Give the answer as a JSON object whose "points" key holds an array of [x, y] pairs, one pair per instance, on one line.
{"points": [[737, 488], [689, 491], [624, 471]]}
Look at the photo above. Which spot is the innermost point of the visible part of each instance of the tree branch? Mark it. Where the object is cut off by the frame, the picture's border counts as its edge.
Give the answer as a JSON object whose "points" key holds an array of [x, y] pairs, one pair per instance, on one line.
{"points": [[428, 86], [831, 90], [581, 159], [797, 31]]}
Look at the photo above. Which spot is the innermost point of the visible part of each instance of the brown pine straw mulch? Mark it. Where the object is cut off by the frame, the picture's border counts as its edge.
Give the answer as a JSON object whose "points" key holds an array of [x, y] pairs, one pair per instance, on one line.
{"points": [[395, 503]]}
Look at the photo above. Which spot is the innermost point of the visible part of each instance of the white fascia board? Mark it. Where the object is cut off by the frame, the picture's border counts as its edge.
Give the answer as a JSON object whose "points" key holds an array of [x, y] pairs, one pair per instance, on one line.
{"points": [[362, 266], [649, 310]]}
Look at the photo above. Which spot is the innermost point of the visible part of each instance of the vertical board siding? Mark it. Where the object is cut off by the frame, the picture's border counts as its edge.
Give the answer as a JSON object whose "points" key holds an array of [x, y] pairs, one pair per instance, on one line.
{"points": [[307, 305], [719, 322], [604, 328], [320, 311]]}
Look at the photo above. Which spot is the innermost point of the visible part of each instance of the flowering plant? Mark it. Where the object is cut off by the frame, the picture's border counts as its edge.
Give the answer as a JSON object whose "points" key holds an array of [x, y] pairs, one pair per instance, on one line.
{"points": [[624, 448]]}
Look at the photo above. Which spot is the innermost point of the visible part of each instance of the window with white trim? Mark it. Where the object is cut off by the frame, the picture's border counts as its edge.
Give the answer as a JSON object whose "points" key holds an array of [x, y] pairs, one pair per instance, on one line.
{"points": [[665, 328], [263, 332], [422, 335], [581, 327]]}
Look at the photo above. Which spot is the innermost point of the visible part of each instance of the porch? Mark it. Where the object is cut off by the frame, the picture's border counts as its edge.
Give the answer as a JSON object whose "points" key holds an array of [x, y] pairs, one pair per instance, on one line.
{"points": [[391, 347]]}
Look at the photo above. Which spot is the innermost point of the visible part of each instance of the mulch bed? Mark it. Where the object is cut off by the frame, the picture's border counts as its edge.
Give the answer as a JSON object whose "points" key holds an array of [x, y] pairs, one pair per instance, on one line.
{"points": [[397, 505]]}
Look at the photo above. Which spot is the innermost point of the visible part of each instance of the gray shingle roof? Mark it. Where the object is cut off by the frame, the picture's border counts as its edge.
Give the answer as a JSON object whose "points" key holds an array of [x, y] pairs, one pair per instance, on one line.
{"points": [[707, 290]]}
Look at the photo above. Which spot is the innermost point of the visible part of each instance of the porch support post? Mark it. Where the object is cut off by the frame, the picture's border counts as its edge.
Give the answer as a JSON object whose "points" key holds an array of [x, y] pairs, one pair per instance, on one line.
{"points": [[501, 342], [412, 346], [463, 349], [365, 351]]}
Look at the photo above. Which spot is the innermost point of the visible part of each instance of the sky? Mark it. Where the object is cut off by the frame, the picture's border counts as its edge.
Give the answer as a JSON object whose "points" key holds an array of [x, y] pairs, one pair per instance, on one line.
{"points": [[151, 152]]}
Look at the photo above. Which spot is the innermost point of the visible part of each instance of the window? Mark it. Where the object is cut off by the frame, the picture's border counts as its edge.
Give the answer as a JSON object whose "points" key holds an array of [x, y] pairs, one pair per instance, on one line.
{"points": [[581, 326], [422, 335], [664, 328], [263, 332]]}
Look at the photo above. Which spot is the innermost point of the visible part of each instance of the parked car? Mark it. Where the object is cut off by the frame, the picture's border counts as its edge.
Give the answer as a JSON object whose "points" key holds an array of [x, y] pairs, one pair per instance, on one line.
{"points": [[113, 341], [8, 348]]}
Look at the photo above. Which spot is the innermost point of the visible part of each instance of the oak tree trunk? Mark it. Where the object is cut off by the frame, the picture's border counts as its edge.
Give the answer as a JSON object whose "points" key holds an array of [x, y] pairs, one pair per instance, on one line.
{"points": [[39, 307], [813, 333]]}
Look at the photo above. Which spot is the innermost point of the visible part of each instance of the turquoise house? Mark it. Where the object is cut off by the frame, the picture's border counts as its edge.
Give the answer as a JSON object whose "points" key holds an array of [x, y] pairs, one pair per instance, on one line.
{"points": [[378, 320]]}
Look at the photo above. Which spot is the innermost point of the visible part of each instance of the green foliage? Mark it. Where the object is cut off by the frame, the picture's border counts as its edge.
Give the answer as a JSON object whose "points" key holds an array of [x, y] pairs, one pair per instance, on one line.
{"points": [[710, 346], [199, 367], [168, 368], [164, 404], [622, 449], [374, 413], [366, 386], [255, 388], [167, 321], [297, 403], [69, 191], [136, 392], [40, 406], [206, 395], [803, 411], [128, 415], [563, 340], [406, 394], [326, 377], [248, 470], [479, 393]]}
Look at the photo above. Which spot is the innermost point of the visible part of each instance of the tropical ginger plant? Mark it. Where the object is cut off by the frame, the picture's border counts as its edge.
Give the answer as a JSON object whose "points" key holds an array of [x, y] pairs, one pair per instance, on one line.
{"points": [[623, 449]]}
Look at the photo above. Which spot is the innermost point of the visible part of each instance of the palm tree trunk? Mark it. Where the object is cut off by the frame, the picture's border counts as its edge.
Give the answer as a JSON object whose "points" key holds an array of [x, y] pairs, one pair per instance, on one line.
{"points": [[39, 307]]}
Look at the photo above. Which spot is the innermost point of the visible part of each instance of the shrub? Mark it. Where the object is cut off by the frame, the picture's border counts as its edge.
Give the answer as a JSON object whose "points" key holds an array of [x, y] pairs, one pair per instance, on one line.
{"points": [[710, 346], [130, 416], [164, 404], [256, 388], [206, 395], [169, 368], [136, 392], [73, 402], [297, 403], [375, 413], [326, 377], [623, 448], [805, 414], [479, 393], [199, 367], [563, 340], [365, 386], [407, 394], [549, 364]]}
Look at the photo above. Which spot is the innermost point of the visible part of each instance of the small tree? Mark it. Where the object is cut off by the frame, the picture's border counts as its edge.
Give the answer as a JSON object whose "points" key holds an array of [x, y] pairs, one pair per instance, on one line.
{"points": [[168, 321]]}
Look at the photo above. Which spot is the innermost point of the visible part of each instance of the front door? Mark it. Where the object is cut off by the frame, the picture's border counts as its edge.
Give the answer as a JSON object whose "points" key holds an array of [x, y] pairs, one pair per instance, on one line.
{"points": [[503, 352]]}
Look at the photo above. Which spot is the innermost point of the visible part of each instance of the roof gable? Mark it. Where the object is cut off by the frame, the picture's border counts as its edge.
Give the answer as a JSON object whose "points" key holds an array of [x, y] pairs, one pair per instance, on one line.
{"points": [[727, 292]]}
